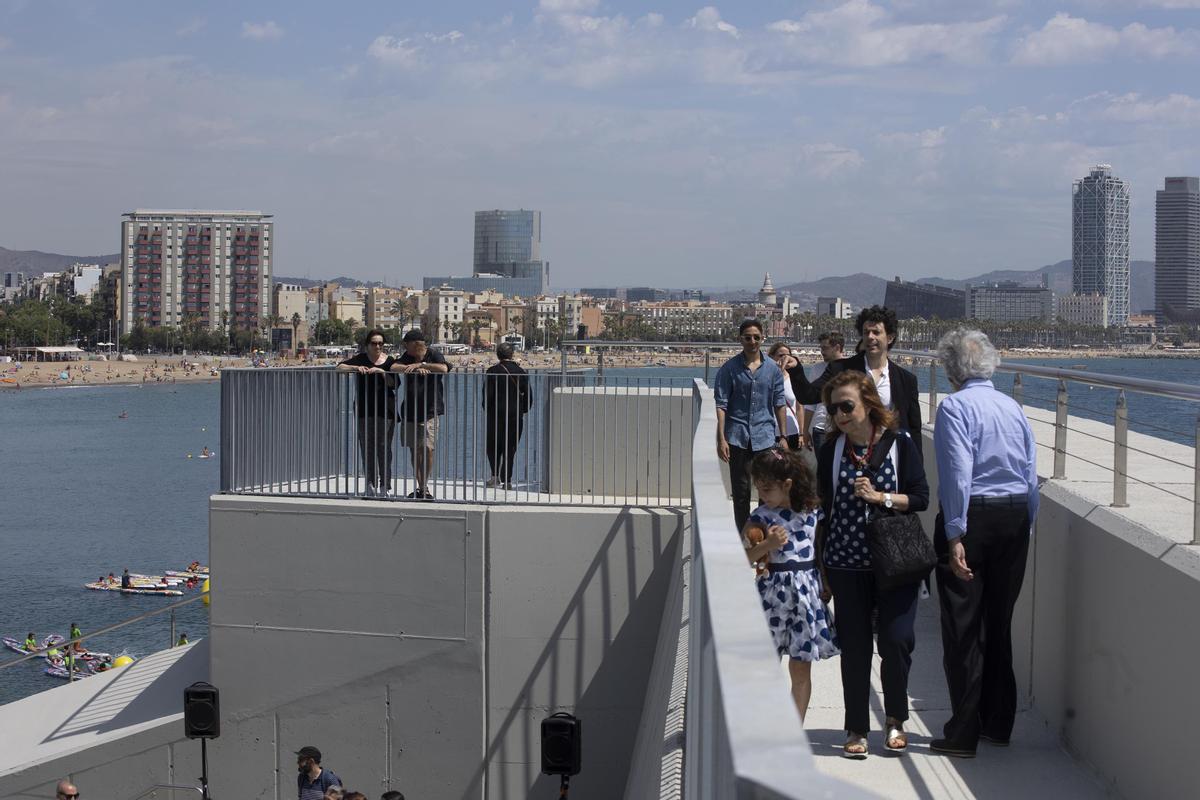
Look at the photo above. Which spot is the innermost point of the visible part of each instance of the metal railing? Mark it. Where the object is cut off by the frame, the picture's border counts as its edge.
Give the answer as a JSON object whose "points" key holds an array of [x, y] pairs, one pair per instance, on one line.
{"points": [[559, 436], [168, 609], [708, 349], [1120, 421]]}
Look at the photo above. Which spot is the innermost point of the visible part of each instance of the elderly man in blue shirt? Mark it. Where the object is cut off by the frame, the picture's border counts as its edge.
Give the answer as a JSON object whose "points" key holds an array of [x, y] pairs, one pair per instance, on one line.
{"points": [[987, 489], [751, 413]]}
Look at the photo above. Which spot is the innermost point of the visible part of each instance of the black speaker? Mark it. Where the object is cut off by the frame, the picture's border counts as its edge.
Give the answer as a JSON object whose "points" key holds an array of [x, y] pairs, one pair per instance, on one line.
{"points": [[562, 744], [201, 711]]}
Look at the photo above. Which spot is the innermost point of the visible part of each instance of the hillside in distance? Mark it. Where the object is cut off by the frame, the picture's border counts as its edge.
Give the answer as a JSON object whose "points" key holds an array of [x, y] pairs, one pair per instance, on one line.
{"points": [[35, 262], [862, 289]]}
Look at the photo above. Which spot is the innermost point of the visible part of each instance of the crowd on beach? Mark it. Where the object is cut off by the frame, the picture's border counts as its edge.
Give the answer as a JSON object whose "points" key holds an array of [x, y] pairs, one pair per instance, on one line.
{"points": [[839, 492]]}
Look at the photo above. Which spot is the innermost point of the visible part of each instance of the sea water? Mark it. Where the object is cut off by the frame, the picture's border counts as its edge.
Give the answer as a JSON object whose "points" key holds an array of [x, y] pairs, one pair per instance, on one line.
{"points": [[84, 493]]}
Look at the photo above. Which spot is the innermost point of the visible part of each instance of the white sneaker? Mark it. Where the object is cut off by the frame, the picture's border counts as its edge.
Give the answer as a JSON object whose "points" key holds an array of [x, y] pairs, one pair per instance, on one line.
{"points": [[370, 491], [492, 482]]}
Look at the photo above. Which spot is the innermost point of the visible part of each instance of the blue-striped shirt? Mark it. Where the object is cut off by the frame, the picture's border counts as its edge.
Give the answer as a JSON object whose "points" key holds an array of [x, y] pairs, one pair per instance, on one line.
{"points": [[984, 447], [749, 400]]}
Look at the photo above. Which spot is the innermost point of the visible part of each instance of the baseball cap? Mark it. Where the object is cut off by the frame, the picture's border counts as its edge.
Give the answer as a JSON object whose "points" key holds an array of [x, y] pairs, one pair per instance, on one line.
{"points": [[414, 335], [308, 751]]}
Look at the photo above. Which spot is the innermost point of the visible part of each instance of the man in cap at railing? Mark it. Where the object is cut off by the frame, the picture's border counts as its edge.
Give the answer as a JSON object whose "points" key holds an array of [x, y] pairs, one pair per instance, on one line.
{"points": [[987, 490], [424, 403]]}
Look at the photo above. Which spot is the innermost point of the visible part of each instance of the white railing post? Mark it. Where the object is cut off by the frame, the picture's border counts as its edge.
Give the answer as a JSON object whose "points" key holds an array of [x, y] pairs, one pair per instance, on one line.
{"points": [[1060, 432], [1121, 453], [933, 393]]}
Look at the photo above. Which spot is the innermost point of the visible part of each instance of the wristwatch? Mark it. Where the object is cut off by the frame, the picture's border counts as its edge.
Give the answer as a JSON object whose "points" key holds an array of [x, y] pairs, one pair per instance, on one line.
{"points": [[887, 499]]}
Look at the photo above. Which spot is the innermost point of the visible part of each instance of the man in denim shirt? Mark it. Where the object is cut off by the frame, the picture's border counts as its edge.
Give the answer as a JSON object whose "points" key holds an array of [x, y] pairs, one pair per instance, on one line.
{"points": [[751, 413]]}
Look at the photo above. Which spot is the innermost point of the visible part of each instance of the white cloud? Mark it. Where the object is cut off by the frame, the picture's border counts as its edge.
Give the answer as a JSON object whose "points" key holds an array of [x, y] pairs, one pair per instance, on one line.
{"points": [[192, 26], [709, 19], [451, 37], [1073, 40], [859, 34], [396, 52], [3, 43], [1174, 109], [262, 31]]}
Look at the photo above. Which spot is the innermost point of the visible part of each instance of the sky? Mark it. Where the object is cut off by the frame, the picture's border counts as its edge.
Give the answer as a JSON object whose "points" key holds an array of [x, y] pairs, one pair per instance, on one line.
{"points": [[666, 143]]}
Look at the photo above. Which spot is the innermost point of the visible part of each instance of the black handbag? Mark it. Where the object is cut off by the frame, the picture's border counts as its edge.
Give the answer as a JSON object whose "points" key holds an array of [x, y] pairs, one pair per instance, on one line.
{"points": [[901, 553]]}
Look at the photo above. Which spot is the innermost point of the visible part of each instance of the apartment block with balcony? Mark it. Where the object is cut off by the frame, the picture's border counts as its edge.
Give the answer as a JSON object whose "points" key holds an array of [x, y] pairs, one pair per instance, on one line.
{"points": [[210, 266]]}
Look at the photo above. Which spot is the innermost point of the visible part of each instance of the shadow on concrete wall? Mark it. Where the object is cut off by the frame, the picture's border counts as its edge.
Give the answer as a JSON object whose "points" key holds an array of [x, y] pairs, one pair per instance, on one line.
{"points": [[610, 706]]}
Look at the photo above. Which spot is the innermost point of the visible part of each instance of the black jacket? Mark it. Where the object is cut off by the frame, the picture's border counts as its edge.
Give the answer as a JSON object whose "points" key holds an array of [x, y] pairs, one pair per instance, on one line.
{"points": [[911, 468], [903, 383], [506, 390]]}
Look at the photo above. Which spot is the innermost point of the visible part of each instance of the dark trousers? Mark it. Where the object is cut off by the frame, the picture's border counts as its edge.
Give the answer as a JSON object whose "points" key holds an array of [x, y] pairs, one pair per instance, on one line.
{"points": [[855, 595], [977, 621], [739, 482], [503, 434], [375, 446], [818, 439]]}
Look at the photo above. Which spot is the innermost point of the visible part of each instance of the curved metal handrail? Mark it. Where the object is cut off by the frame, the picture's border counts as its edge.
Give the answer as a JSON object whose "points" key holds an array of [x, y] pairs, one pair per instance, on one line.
{"points": [[171, 786], [1142, 385], [110, 628]]}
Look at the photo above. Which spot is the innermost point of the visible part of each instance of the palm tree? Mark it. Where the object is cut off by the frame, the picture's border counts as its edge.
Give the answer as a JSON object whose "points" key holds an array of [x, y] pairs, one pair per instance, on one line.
{"points": [[295, 332]]}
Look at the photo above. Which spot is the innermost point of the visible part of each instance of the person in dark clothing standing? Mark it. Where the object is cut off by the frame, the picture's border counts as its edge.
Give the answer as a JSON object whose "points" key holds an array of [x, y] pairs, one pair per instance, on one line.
{"points": [[988, 503], [867, 467], [897, 387], [375, 404], [506, 400]]}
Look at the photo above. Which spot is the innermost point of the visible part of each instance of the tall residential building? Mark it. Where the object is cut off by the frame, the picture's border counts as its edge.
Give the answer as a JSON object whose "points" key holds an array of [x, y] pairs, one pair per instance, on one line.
{"points": [[1100, 240], [1177, 251], [213, 266], [1006, 301], [924, 300]]}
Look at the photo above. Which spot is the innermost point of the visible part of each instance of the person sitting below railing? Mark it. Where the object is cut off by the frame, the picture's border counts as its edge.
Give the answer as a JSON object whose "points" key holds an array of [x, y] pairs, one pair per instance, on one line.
{"points": [[987, 493]]}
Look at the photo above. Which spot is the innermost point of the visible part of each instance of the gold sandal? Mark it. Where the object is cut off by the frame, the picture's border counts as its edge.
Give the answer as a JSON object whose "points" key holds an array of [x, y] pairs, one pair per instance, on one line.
{"points": [[855, 747]]}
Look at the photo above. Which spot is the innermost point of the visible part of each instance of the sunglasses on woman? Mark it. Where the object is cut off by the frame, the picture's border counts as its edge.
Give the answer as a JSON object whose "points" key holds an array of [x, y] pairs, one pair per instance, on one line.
{"points": [[846, 407]]}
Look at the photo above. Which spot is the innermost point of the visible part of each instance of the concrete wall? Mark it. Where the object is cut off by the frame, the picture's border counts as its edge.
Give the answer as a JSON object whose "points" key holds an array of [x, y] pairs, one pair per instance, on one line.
{"points": [[524, 612], [615, 441]]}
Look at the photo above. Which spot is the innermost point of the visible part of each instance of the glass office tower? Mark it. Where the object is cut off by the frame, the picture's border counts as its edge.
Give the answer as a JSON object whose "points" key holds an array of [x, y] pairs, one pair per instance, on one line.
{"points": [[509, 243]]}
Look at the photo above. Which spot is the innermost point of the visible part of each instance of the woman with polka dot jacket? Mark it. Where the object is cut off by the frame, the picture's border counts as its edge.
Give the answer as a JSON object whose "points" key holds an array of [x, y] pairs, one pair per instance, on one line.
{"points": [[864, 467]]}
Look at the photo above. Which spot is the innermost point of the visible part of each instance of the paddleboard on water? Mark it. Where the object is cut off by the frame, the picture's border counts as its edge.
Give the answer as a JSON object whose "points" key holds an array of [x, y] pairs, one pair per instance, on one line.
{"points": [[19, 644]]}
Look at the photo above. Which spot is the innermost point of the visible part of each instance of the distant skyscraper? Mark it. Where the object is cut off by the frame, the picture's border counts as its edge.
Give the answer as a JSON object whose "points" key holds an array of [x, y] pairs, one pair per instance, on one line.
{"points": [[1100, 240], [210, 266], [1177, 251], [509, 243]]}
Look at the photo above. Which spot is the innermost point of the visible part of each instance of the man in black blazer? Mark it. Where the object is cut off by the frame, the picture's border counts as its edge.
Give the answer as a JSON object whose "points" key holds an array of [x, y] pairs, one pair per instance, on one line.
{"points": [[897, 386]]}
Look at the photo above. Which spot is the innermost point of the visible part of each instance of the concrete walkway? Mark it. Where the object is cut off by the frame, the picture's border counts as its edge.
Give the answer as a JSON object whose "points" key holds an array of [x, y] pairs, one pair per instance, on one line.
{"points": [[1033, 767]]}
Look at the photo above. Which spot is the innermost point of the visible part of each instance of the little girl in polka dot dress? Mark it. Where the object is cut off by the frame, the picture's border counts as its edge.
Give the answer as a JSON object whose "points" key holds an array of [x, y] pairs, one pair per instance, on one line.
{"points": [[780, 537]]}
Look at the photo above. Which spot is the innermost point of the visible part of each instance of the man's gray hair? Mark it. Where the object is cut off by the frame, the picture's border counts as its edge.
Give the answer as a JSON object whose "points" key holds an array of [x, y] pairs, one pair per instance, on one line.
{"points": [[965, 354]]}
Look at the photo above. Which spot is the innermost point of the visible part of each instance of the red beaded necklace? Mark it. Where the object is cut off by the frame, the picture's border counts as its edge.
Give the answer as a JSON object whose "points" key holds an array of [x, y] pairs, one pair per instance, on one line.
{"points": [[862, 461]]}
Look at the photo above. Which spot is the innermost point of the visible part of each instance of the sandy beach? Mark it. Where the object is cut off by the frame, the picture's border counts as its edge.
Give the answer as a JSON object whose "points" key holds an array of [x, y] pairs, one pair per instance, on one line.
{"points": [[189, 369]]}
